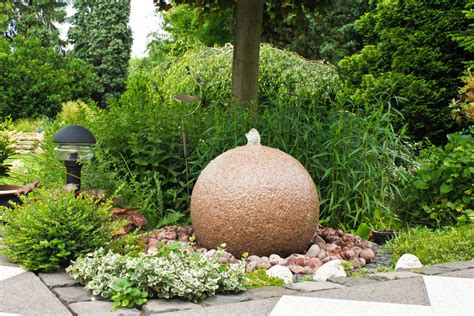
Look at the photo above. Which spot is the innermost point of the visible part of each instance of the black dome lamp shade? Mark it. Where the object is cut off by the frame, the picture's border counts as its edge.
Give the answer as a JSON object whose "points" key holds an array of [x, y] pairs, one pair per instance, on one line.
{"points": [[74, 144]]}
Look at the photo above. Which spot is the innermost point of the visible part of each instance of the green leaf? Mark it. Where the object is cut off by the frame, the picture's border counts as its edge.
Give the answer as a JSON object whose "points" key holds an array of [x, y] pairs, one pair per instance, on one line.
{"points": [[445, 188], [420, 184], [363, 231]]}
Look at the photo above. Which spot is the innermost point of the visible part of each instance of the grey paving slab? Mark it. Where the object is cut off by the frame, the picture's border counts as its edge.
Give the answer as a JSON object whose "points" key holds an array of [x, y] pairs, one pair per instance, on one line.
{"points": [[222, 299], [468, 273], [269, 292], [293, 305], [460, 265], [158, 306], [312, 286], [72, 294], [405, 291], [396, 275], [57, 279], [101, 308], [431, 270], [25, 294], [352, 281], [5, 262], [249, 308]]}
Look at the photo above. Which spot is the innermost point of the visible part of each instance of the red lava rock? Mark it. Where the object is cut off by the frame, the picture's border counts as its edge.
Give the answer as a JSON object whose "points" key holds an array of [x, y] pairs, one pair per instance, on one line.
{"points": [[347, 254], [318, 240], [260, 189], [152, 242], [171, 235], [332, 248], [326, 232], [356, 263]]}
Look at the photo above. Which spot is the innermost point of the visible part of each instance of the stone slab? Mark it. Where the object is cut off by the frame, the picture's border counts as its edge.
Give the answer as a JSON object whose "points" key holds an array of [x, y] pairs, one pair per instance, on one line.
{"points": [[249, 308], [25, 294], [459, 265], [57, 279], [293, 305], [269, 292], [101, 308], [396, 275], [222, 299], [9, 272], [405, 291], [72, 294], [5, 262], [454, 296], [431, 270], [351, 281], [312, 286], [158, 306], [469, 274]]}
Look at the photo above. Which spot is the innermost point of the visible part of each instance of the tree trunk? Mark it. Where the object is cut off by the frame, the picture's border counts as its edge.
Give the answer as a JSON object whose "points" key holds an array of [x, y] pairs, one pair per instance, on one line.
{"points": [[247, 29]]}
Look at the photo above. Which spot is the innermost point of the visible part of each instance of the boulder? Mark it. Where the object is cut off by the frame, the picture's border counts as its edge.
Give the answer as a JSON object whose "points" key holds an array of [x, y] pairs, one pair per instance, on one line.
{"points": [[408, 261], [282, 273], [255, 199], [328, 270]]}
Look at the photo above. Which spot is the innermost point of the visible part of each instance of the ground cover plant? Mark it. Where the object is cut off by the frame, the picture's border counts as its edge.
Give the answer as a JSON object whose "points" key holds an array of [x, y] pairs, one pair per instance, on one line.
{"points": [[177, 271], [454, 243], [51, 227]]}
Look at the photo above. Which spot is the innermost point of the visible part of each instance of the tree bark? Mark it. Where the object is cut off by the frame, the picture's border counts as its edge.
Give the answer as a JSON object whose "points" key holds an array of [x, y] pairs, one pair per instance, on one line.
{"points": [[248, 30]]}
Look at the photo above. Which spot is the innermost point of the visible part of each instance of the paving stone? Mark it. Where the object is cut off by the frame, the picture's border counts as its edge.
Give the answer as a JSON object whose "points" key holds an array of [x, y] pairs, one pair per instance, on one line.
{"points": [[72, 294], [157, 306], [25, 294], [468, 273], [250, 308], [269, 292], [4, 262], [312, 286], [101, 308], [57, 279], [454, 266], [404, 291], [432, 270], [222, 299], [394, 275], [351, 281]]}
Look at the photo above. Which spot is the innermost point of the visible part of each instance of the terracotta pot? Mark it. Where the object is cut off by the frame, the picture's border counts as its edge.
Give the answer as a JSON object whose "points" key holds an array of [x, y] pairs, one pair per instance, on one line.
{"points": [[9, 193], [381, 237]]}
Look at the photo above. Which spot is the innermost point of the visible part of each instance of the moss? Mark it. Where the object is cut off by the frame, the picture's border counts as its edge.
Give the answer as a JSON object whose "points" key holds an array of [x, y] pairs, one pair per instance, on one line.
{"points": [[259, 278], [448, 244]]}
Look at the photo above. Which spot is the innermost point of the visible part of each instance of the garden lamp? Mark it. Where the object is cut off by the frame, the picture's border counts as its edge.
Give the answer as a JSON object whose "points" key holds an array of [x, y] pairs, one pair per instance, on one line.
{"points": [[74, 145]]}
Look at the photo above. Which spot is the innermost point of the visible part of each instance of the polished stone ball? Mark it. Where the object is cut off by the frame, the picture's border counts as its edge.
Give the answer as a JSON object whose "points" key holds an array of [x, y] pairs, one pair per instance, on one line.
{"points": [[255, 199]]}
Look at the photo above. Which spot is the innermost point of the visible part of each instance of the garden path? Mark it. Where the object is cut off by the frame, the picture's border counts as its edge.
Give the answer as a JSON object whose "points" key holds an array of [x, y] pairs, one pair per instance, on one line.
{"points": [[444, 288]]}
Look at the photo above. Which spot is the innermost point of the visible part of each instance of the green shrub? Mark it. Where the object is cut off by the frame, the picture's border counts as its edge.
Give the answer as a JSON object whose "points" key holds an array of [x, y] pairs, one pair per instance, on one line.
{"points": [[175, 273], [441, 190], [6, 152], [51, 228], [409, 52], [35, 79], [435, 246]]}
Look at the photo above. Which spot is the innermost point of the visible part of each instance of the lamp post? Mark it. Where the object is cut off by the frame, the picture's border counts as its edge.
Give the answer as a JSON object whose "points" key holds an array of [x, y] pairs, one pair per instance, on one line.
{"points": [[74, 145]]}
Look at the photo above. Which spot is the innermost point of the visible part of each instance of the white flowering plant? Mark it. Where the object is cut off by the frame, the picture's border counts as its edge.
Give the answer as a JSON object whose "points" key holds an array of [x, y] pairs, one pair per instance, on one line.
{"points": [[176, 272]]}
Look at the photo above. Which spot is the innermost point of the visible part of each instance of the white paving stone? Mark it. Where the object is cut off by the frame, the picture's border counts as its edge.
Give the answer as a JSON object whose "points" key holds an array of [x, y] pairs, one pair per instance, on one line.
{"points": [[453, 296], [294, 305], [9, 272]]}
